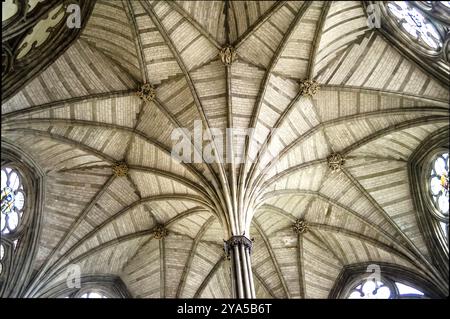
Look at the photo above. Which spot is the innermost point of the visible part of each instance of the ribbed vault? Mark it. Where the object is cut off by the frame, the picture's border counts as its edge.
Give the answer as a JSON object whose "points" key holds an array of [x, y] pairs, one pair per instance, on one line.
{"points": [[81, 116]]}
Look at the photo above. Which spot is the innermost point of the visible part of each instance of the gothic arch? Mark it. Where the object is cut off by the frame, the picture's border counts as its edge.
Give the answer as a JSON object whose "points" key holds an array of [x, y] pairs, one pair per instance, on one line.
{"points": [[418, 166], [353, 273], [22, 254], [111, 286]]}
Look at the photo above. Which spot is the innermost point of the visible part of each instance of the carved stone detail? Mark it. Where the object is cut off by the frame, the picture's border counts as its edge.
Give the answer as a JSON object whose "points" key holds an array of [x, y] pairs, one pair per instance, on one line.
{"points": [[227, 55], [300, 226], [335, 161], [146, 92], [159, 232], [237, 241], [308, 87], [120, 169], [226, 254]]}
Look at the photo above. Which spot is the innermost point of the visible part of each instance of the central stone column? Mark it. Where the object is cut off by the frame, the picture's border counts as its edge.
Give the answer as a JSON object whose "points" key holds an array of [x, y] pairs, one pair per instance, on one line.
{"points": [[239, 249]]}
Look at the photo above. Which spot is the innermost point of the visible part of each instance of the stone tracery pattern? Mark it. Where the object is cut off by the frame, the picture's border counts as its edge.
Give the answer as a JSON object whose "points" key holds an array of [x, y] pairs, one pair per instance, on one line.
{"points": [[416, 24], [419, 28], [438, 186], [378, 289], [439, 182], [13, 198], [32, 30]]}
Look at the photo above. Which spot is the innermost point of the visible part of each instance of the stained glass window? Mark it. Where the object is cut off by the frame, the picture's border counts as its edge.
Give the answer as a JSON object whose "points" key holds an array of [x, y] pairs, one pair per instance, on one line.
{"points": [[93, 295], [12, 200], [438, 186], [439, 183], [416, 25], [371, 289], [407, 290], [445, 3]]}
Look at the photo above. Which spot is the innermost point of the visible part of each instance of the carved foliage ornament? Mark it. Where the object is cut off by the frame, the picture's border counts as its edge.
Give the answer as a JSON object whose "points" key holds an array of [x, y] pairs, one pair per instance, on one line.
{"points": [[120, 169], [236, 241], [146, 92], [227, 55], [335, 161], [300, 226], [308, 87], [159, 232]]}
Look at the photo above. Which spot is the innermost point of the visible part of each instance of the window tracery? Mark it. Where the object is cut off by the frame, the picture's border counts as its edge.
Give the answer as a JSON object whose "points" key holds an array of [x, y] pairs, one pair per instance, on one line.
{"points": [[438, 188], [383, 289], [419, 29], [92, 294], [12, 200], [380, 280], [439, 184], [416, 25], [95, 290], [13, 213]]}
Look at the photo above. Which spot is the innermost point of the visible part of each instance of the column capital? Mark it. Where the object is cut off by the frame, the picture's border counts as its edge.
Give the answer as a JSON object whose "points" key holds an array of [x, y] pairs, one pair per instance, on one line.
{"points": [[237, 241], [237, 249]]}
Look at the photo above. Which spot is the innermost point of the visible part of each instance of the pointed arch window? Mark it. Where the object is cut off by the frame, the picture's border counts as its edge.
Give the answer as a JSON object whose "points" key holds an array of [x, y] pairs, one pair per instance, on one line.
{"points": [[438, 188], [13, 198], [91, 286], [93, 294], [415, 24], [22, 187], [383, 289], [13, 215], [428, 170], [418, 29], [382, 280]]}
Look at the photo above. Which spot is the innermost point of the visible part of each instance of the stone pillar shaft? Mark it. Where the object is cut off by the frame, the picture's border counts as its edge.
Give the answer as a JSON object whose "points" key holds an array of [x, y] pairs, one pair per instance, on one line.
{"points": [[240, 249], [250, 271], [238, 272]]}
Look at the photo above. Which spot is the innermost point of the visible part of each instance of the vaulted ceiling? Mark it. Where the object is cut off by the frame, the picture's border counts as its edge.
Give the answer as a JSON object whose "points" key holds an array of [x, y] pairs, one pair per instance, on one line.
{"points": [[81, 115]]}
